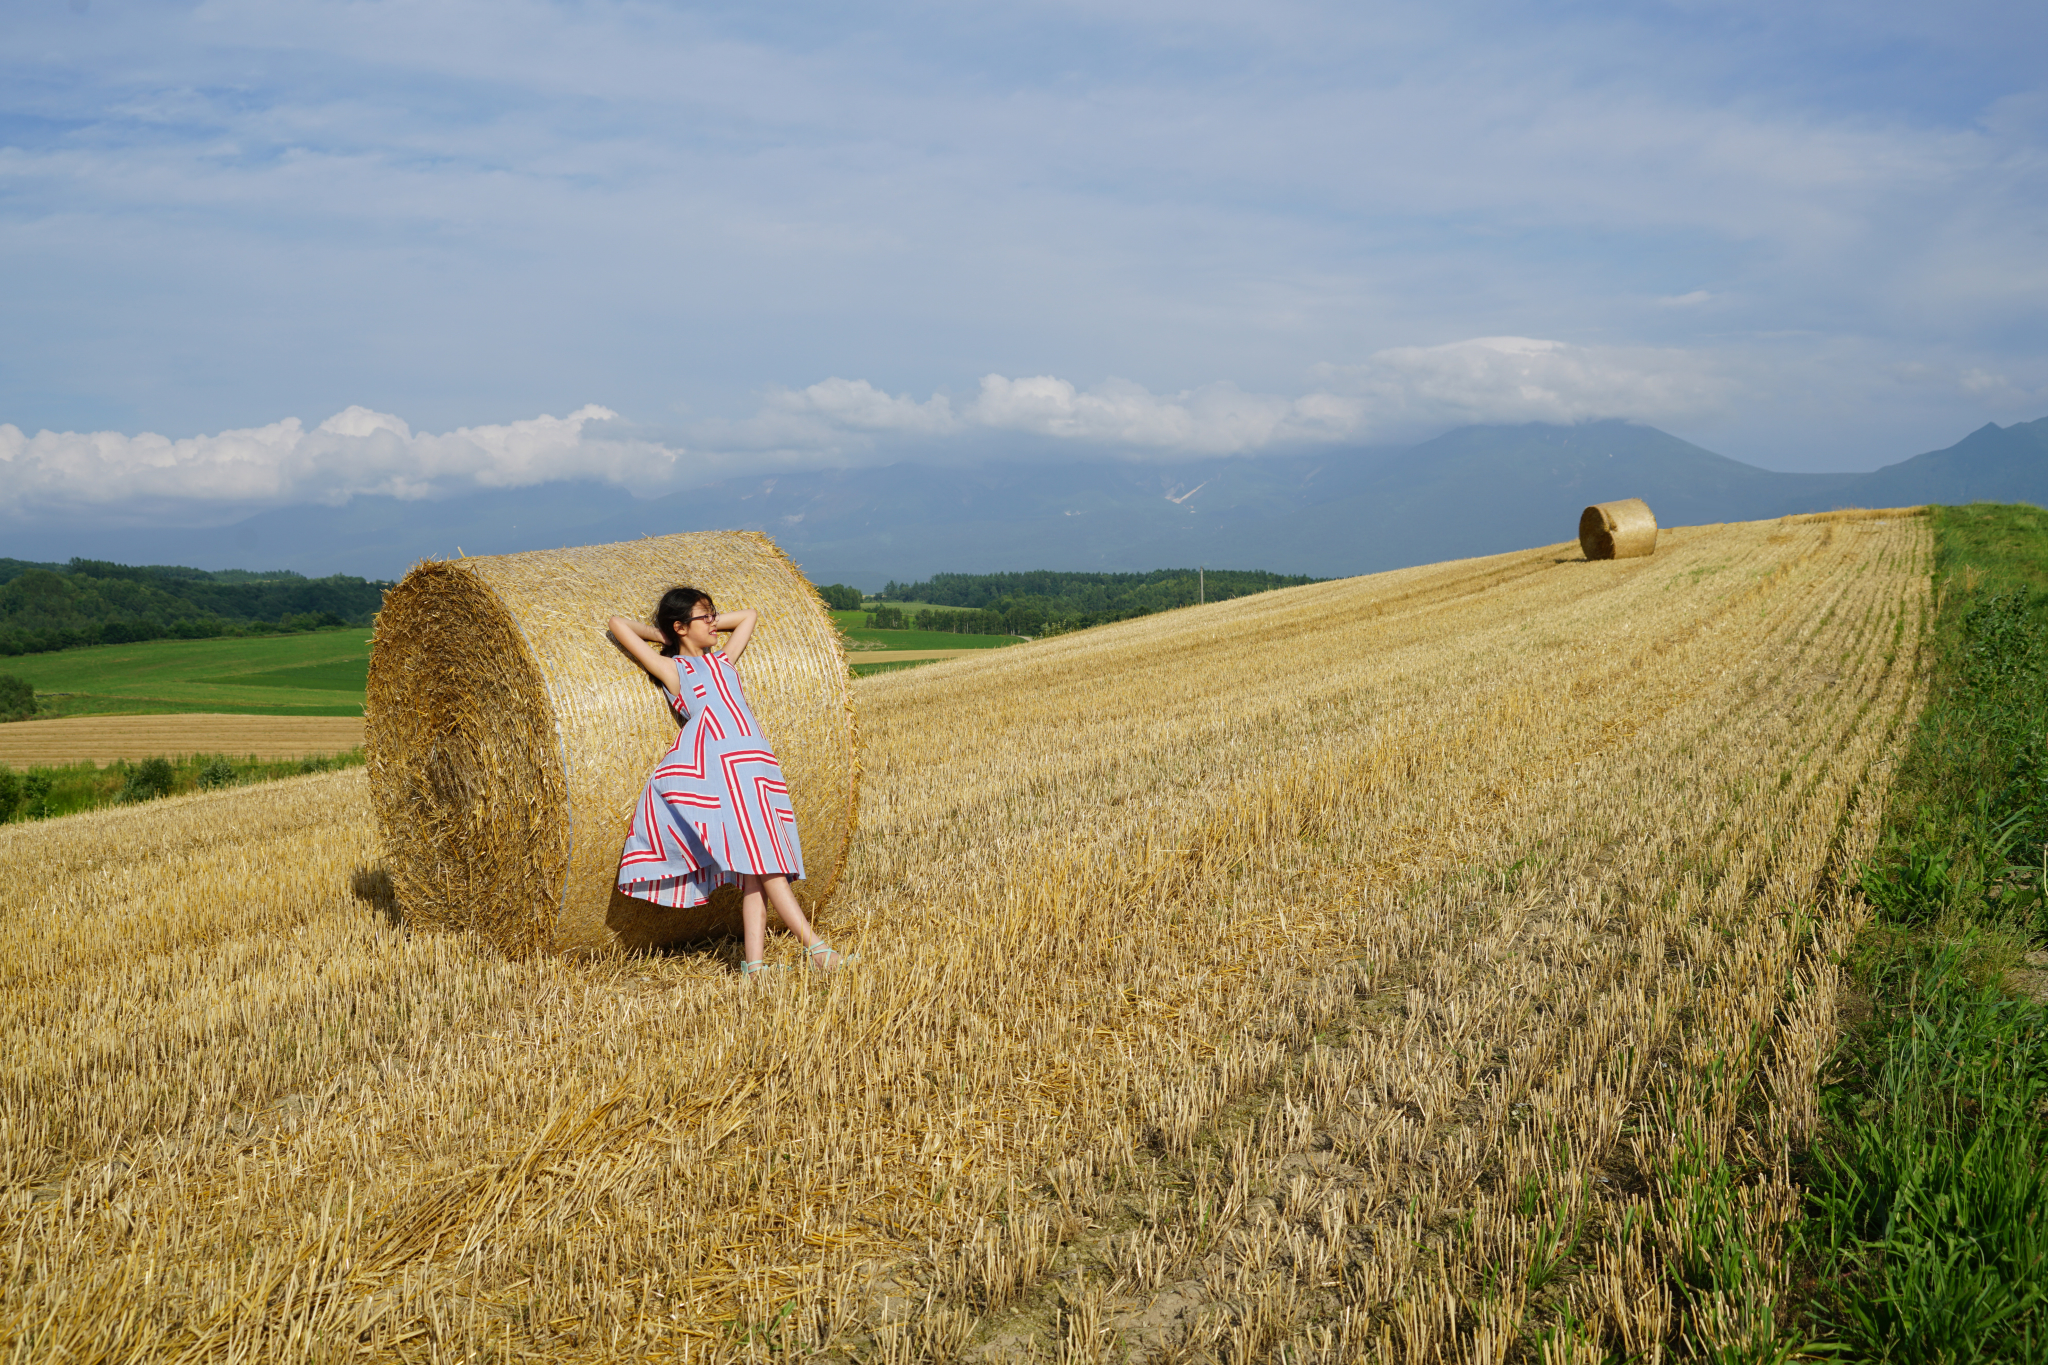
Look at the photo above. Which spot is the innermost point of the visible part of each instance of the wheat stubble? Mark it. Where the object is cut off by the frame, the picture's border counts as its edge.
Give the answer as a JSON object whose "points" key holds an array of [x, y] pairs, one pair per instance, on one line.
{"points": [[1255, 975]]}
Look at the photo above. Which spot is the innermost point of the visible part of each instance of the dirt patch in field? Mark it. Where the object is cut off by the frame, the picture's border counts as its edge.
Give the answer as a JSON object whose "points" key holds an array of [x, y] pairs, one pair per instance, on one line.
{"points": [[103, 739]]}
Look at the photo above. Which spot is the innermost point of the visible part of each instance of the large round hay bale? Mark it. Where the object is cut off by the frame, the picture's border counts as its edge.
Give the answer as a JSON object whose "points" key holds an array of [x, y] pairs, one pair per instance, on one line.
{"points": [[1618, 530], [509, 737]]}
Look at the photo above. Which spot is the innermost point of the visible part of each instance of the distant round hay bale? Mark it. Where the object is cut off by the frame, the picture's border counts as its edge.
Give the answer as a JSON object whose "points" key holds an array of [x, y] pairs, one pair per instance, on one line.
{"points": [[509, 738], [1618, 530]]}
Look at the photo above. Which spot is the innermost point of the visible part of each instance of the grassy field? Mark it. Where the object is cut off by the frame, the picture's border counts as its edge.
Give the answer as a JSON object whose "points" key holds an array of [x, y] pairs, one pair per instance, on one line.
{"points": [[861, 641], [317, 674], [910, 608], [52, 790], [1404, 986], [320, 673], [859, 637], [1925, 1197]]}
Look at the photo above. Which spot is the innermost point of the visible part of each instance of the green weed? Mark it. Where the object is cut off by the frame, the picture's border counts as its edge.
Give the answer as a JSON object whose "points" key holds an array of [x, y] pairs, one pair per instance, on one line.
{"points": [[1927, 1204], [42, 792], [1927, 1192]]}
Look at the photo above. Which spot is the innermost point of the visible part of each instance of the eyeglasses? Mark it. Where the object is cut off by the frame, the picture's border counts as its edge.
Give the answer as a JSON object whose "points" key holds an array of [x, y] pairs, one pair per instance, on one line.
{"points": [[694, 619]]}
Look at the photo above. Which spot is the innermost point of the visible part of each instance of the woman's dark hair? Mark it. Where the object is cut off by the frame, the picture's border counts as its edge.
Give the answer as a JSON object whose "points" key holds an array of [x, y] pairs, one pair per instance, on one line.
{"points": [[677, 605]]}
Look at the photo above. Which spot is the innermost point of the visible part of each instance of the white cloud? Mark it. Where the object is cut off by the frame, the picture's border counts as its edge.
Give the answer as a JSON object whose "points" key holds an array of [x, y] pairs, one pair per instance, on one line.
{"points": [[1994, 389], [1999, 390], [1403, 393], [860, 405], [1521, 379], [843, 417], [353, 452], [469, 203], [1215, 419]]}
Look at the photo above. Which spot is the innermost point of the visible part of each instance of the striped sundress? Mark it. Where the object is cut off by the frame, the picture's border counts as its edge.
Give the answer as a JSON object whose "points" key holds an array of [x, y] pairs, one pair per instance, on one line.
{"points": [[717, 806]]}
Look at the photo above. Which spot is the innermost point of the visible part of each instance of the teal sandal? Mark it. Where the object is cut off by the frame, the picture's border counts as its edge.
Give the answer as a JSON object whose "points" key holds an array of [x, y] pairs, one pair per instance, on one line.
{"points": [[834, 958]]}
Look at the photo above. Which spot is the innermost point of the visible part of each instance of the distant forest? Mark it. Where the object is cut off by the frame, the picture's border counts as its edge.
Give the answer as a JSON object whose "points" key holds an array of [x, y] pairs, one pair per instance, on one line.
{"points": [[46, 607], [1049, 602]]}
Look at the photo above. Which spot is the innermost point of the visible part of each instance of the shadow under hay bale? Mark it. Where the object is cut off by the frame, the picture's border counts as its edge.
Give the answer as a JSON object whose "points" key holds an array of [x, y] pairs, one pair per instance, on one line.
{"points": [[509, 737], [1626, 529], [373, 885]]}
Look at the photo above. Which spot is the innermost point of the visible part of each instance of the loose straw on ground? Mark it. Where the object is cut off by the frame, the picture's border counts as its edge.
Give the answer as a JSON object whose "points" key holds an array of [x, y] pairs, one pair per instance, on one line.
{"points": [[509, 737]]}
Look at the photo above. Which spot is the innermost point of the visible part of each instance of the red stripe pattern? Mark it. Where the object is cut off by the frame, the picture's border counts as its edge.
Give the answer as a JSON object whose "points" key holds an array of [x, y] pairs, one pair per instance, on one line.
{"points": [[717, 806]]}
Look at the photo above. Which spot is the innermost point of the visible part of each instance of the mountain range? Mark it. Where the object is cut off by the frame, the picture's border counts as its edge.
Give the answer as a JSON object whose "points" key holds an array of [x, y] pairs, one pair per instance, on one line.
{"points": [[1476, 490]]}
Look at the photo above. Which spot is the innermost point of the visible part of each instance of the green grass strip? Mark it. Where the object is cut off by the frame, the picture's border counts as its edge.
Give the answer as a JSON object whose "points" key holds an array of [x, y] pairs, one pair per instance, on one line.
{"points": [[41, 792], [1928, 1202], [316, 673], [1926, 1228]]}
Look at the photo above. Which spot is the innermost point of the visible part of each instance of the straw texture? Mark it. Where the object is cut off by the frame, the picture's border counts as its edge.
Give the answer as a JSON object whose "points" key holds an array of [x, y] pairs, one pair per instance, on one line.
{"points": [[1618, 530], [509, 737]]}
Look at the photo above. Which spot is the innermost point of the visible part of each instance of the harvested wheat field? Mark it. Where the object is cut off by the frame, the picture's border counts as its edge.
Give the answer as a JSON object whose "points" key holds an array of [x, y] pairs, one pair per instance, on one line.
{"points": [[104, 739], [1276, 979]]}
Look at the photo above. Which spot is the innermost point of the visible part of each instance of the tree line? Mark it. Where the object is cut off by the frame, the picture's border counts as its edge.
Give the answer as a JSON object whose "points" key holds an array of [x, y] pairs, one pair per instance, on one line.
{"points": [[45, 607], [1051, 602], [840, 597]]}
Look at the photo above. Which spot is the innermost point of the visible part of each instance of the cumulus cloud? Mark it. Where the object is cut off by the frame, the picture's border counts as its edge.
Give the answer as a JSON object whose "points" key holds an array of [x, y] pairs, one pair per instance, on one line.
{"points": [[844, 417], [1406, 392], [356, 451], [2000, 390], [1402, 393], [857, 404], [1522, 379], [1215, 419], [1994, 389], [834, 420], [466, 213]]}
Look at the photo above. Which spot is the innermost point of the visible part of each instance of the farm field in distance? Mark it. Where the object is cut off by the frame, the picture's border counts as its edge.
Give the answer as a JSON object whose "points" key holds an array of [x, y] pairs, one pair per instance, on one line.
{"points": [[908, 608], [884, 651], [107, 738], [860, 637], [318, 673], [1405, 983]]}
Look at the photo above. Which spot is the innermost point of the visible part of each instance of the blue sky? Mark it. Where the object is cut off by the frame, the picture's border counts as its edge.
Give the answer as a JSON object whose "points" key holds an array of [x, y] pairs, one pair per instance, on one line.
{"points": [[254, 253]]}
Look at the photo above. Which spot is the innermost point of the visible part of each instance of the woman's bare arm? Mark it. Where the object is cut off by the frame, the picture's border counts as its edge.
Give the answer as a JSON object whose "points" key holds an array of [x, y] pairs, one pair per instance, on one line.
{"points": [[651, 634], [741, 623], [638, 639]]}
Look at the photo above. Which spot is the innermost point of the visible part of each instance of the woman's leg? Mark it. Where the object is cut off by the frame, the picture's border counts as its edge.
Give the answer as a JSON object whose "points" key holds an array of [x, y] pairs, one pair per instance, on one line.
{"points": [[784, 901], [753, 919]]}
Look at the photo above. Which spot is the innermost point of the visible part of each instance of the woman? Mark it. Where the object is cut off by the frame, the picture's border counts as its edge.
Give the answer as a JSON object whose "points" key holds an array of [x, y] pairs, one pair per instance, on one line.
{"points": [[716, 811]]}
